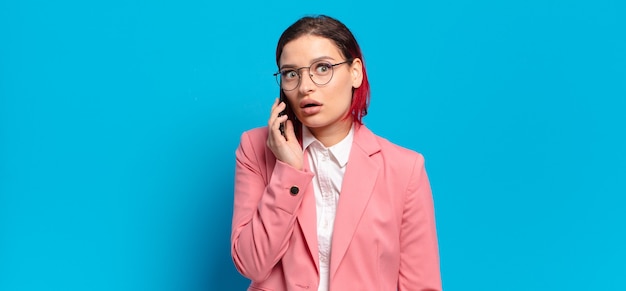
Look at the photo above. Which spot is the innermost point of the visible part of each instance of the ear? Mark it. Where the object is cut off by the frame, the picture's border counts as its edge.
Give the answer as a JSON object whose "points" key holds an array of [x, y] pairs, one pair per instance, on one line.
{"points": [[356, 70]]}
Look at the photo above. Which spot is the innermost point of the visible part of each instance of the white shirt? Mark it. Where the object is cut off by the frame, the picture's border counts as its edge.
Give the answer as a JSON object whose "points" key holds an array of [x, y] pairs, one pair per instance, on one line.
{"points": [[329, 166]]}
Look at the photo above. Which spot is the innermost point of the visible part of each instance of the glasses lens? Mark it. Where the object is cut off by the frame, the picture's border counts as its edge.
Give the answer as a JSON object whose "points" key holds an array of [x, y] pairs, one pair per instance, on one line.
{"points": [[288, 79], [321, 72]]}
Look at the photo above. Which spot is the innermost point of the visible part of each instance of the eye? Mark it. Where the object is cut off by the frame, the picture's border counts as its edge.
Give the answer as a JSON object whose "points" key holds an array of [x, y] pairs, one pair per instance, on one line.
{"points": [[323, 68], [289, 74]]}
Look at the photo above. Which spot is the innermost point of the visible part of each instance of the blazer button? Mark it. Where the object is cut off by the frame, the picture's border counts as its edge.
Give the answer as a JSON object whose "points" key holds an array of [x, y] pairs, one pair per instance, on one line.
{"points": [[294, 190]]}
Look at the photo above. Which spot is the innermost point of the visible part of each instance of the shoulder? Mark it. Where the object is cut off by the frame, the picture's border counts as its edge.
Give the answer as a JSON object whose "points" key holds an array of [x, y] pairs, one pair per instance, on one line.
{"points": [[389, 150], [253, 143], [403, 167], [256, 133], [254, 137], [392, 149]]}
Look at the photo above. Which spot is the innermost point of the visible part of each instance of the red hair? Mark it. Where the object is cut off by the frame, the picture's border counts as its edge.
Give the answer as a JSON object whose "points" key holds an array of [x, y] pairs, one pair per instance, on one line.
{"points": [[333, 29]]}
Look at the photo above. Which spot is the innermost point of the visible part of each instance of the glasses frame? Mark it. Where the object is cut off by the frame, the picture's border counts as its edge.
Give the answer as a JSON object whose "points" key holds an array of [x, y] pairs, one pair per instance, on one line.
{"points": [[278, 75]]}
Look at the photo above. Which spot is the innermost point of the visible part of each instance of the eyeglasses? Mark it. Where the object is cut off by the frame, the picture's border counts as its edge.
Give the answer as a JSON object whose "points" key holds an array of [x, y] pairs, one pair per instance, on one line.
{"points": [[320, 72]]}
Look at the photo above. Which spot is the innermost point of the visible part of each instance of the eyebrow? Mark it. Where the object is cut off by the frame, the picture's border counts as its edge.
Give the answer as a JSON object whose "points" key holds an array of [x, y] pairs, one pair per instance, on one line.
{"points": [[291, 66]]}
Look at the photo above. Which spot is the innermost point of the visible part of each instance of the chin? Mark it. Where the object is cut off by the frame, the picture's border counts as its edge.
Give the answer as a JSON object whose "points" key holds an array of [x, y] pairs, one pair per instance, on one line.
{"points": [[312, 123], [318, 120], [321, 124]]}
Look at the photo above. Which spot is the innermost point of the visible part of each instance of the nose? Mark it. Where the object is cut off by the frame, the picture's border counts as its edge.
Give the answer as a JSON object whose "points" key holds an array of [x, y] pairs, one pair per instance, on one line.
{"points": [[306, 83]]}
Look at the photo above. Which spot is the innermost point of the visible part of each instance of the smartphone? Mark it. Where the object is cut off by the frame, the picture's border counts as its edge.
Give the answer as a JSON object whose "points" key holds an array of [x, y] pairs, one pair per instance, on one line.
{"points": [[282, 124]]}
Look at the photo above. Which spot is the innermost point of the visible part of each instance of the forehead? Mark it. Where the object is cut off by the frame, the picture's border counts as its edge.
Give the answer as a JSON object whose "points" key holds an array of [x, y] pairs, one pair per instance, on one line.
{"points": [[303, 50]]}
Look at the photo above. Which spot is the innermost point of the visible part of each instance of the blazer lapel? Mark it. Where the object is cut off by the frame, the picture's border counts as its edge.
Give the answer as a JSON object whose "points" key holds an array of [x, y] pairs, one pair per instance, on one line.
{"points": [[307, 218], [356, 189]]}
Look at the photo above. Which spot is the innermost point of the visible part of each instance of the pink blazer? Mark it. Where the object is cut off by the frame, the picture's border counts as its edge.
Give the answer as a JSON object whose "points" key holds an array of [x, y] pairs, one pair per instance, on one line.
{"points": [[384, 235]]}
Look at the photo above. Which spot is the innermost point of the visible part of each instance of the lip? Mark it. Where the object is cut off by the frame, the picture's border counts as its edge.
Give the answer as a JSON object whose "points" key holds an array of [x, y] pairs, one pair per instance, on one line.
{"points": [[306, 108], [307, 102]]}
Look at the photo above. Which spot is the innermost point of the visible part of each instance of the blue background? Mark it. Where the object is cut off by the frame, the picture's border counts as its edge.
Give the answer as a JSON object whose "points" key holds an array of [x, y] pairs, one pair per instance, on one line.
{"points": [[119, 121]]}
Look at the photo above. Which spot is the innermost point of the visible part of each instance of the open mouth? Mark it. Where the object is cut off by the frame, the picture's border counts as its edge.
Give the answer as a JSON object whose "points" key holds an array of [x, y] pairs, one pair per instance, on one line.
{"points": [[310, 106], [309, 103]]}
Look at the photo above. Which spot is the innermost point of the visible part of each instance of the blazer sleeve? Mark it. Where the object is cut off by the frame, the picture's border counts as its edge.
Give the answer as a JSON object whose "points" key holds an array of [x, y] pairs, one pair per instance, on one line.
{"points": [[419, 254], [265, 209]]}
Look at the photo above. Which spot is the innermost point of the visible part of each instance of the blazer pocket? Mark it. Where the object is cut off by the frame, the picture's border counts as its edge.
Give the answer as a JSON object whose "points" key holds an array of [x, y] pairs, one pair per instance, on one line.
{"points": [[256, 288]]}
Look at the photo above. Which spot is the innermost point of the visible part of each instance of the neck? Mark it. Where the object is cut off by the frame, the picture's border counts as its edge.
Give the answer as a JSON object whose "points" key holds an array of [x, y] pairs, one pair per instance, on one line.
{"points": [[332, 134]]}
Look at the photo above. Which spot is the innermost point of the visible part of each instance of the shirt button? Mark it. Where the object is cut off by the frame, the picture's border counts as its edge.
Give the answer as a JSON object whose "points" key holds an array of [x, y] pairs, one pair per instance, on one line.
{"points": [[294, 190]]}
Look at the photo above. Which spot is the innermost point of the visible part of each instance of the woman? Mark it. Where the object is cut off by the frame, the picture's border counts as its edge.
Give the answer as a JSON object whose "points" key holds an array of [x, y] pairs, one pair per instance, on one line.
{"points": [[321, 203]]}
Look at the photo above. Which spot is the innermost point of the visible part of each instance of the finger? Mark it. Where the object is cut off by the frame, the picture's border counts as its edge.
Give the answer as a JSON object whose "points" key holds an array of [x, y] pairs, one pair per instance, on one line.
{"points": [[290, 133], [276, 102], [280, 120], [276, 109], [273, 107], [275, 127]]}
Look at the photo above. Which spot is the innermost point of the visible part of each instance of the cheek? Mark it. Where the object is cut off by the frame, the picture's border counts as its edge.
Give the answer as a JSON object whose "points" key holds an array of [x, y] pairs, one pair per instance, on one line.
{"points": [[291, 100], [345, 84], [345, 91]]}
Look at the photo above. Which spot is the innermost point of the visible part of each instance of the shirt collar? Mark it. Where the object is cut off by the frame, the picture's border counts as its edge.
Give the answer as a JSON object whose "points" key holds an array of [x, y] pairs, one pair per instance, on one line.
{"points": [[340, 151]]}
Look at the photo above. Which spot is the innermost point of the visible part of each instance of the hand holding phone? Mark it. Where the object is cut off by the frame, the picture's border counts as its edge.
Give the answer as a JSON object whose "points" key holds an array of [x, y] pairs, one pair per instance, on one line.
{"points": [[282, 124], [283, 143]]}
